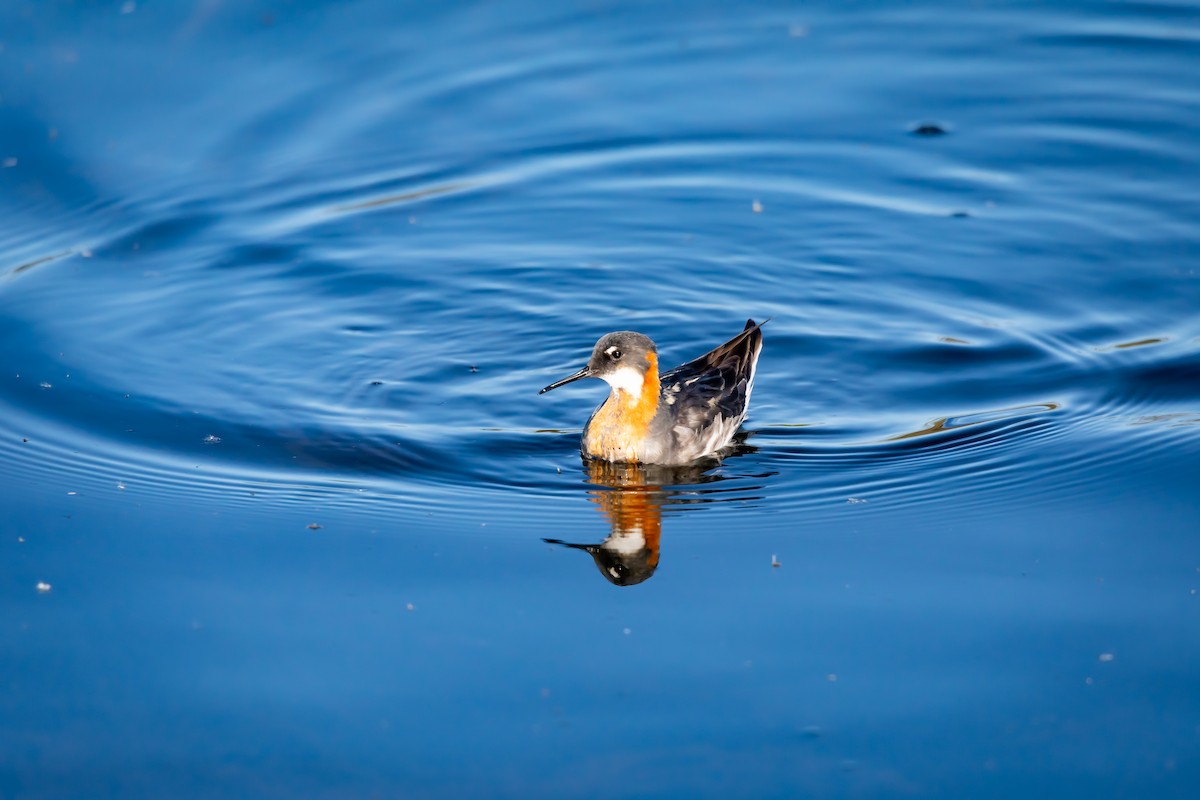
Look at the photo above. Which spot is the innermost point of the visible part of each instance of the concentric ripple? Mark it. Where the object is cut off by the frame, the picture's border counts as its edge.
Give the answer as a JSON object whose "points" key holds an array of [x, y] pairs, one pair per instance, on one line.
{"points": [[293, 305]]}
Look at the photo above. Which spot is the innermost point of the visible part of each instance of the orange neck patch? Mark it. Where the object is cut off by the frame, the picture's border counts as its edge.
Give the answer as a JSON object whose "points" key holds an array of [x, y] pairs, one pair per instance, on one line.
{"points": [[619, 426]]}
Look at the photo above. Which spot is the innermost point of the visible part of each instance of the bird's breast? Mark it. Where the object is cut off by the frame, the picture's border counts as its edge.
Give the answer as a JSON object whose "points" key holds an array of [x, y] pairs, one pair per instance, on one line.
{"points": [[620, 428]]}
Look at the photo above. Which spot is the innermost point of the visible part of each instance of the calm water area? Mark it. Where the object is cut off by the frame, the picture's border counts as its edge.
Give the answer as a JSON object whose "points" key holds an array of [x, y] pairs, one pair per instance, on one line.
{"points": [[283, 515]]}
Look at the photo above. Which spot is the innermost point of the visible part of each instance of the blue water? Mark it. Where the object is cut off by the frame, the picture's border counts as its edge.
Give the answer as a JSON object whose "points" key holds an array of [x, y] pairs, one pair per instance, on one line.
{"points": [[279, 283]]}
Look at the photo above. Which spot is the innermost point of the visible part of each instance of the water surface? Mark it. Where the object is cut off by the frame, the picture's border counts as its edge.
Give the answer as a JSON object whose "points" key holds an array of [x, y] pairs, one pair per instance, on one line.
{"points": [[279, 284]]}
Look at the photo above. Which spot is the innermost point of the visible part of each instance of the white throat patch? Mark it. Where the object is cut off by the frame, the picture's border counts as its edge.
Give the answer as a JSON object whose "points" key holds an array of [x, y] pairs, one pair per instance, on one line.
{"points": [[627, 542], [627, 380]]}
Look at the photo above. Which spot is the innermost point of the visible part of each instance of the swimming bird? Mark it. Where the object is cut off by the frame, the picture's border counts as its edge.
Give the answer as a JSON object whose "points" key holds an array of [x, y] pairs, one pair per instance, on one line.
{"points": [[687, 413]]}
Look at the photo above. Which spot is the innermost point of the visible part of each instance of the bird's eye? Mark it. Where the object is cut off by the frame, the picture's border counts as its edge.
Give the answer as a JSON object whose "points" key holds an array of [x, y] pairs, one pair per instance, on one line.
{"points": [[614, 354]]}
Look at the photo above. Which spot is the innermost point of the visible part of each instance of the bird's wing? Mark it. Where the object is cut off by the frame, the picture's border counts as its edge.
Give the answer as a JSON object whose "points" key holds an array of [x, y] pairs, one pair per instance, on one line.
{"points": [[717, 383]]}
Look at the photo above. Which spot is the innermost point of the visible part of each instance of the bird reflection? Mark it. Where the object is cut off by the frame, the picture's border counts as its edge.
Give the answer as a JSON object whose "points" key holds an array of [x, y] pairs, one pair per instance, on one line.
{"points": [[632, 497]]}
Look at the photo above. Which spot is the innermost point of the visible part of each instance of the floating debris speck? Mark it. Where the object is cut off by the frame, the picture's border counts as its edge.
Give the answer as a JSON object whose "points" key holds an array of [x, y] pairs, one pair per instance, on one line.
{"points": [[45, 385], [43, 587], [1106, 657], [929, 129], [856, 500], [312, 526], [756, 207], [210, 439]]}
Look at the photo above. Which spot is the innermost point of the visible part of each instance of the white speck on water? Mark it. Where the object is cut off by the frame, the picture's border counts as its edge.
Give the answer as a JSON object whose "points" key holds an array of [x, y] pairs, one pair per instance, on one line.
{"points": [[120, 485], [20, 538], [756, 206], [210, 439], [855, 500], [627, 631], [71, 494], [1106, 657], [45, 385], [43, 587], [8, 163], [409, 607], [775, 561], [831, 677]]}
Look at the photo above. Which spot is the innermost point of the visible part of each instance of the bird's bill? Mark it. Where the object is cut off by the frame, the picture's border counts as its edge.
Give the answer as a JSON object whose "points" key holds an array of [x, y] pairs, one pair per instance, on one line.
{"points": [[583, 373], [591, 548]]}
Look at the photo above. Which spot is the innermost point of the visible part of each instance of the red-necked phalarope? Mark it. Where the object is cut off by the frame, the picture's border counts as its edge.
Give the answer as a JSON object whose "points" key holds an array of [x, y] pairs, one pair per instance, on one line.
{"points": [[690, 412]]}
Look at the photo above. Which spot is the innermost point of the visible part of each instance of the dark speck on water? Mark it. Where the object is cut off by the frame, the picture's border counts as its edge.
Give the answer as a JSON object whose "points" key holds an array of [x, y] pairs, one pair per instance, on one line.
{"points": [[929, 129], [271, 258]]}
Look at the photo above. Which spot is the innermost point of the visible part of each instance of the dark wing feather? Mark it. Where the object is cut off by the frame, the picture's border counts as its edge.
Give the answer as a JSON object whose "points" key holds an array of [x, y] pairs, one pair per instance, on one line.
{"points": [[718, 381]]}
